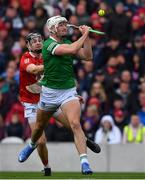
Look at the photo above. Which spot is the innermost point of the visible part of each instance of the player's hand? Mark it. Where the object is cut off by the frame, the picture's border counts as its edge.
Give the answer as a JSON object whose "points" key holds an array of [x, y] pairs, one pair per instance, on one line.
{"points": [[84, 29], [81, 99]]}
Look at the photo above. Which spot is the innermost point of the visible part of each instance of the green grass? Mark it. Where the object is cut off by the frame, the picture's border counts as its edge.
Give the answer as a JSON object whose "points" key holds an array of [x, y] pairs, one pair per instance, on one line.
{"points": [[70, 175]]}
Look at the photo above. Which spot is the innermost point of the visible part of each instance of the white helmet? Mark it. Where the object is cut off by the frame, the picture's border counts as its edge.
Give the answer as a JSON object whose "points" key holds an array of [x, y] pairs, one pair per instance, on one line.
{"points": [[54, 21]]}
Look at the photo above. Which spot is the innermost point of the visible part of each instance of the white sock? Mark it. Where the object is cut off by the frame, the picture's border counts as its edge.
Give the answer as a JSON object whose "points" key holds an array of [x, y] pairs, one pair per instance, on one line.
{"points": [[33, 145], [46, 166], [84, 158]]}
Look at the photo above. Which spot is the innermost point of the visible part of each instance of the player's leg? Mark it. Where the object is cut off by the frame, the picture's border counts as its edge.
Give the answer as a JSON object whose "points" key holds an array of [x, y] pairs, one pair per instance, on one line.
{"points": [[43, 152], [72, 111], [73, 116], [41, 121], [60, 116], [46, 107]]}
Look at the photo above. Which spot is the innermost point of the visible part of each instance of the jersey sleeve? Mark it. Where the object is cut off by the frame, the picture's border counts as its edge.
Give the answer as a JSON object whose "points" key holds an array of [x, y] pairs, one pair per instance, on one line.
{"points": [[51, 47], [25, 62]]}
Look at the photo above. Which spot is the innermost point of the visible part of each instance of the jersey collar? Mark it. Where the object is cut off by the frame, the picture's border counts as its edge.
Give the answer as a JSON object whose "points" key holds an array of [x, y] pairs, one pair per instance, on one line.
{"points": [[32, 55], [53, 38]]}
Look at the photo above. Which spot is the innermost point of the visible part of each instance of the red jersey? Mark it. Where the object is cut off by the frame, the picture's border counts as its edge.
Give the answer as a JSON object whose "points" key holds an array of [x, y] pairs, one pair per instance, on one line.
{"points": [[27, 79]]}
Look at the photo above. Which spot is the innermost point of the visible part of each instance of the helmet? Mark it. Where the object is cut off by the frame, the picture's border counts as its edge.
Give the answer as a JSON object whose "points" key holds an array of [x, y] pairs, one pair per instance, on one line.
{"points": [[30, 36], [54, 21]]}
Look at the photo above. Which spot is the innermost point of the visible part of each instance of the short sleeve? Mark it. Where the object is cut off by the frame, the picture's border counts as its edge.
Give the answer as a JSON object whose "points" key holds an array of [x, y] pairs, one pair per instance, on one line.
{"points": [[25, 62], [52, 47]]}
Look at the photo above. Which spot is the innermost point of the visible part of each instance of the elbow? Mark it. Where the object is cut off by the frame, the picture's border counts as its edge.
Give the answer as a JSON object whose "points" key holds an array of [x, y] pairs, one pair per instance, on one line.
{"points": [[74, 51]]}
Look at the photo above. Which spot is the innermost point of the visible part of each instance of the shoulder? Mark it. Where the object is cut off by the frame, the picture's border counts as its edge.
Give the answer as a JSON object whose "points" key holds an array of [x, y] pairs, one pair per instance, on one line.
{"points": [[99, 131], [26, 59], [48, 42], [26, 55], [50, 45]]}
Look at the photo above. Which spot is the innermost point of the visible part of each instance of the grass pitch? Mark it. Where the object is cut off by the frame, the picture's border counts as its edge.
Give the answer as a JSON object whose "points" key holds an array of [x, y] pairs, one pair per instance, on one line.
{"points": [[70, 175]]}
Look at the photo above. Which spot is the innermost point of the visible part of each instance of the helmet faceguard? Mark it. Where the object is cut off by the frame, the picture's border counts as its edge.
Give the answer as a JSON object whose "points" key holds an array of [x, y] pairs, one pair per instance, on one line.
{"points": [[29, 38], [53, 22]]}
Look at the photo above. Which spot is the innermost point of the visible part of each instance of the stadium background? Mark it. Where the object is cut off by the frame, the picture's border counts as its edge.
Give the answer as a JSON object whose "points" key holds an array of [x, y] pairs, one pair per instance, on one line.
{"points": [[113, 83]]}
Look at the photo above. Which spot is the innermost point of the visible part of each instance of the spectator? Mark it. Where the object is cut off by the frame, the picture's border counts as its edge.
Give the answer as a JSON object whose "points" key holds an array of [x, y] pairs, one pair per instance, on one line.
{"points": [[142, 87], [88, 68], [97, 91], [62, 135], [66, 6], [131, 5], [18, 109], [11, 82], [112, 49], [40, 17], [5, 37], [82, 15], [120, 119], [141, 112], [124, 92], [111, 75], [108, 133], [15, 128], [13, 16], [26, 6], [134, 132], [30, 23], [119, 24], [99, 76], [91, 121], [5, 98], [136, 27], [121, 60], [138, 47], [119, 113]]}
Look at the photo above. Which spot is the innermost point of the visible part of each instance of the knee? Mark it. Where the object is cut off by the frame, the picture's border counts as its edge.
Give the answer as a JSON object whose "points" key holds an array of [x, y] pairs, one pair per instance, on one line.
{"points": [[39, 126], [75, 125], [42, 142]]}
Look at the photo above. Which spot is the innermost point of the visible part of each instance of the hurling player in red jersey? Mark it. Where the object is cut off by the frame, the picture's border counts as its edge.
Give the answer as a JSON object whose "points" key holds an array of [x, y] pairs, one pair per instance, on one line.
{"points": [[31, 69]]}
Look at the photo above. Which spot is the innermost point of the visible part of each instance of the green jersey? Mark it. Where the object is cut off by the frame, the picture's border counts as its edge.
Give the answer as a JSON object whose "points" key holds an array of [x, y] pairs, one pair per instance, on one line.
{"points": [[58, 70]]}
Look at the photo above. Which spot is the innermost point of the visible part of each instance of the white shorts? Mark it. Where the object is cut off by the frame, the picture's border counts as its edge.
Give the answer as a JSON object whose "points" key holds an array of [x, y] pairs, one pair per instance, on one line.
{"points": [[30, 111], [52, 99]]}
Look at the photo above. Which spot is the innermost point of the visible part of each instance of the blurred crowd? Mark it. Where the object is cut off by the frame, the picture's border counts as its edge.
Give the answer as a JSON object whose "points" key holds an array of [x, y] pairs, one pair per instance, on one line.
{"points": [[112, 85]]}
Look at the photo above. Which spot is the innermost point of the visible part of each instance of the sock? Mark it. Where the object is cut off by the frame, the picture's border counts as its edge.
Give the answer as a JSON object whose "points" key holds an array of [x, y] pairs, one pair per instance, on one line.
{"points": [[33, 145], [84, 158], [45, 163]]}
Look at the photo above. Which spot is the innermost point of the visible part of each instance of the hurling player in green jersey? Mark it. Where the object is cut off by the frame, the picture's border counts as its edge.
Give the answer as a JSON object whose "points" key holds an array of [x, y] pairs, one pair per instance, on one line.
{"points": [[58, 84]]}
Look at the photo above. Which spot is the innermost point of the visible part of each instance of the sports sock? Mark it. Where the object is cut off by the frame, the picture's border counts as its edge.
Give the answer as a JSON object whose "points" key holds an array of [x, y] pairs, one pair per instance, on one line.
{"points": [[84, 158], [33, 145], [45, 163]]}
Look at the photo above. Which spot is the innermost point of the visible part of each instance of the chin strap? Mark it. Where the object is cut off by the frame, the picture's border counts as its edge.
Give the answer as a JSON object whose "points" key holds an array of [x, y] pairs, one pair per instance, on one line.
{"points": [[37, 51]]}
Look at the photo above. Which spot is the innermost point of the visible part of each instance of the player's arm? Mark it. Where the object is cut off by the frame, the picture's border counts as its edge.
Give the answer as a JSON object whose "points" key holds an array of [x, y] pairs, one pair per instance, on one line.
{"points": [[73, 48], [86, 53], [35, 69]]}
